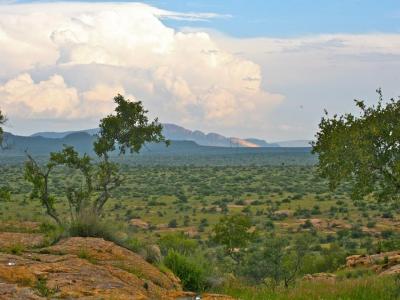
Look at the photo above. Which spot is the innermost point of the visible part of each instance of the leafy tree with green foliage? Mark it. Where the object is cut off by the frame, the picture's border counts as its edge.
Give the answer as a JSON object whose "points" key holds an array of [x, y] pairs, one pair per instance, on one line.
{"points": [[363, 150], [5, 194], [234, 233], [2, 122], [128, 129], [279, 261]]}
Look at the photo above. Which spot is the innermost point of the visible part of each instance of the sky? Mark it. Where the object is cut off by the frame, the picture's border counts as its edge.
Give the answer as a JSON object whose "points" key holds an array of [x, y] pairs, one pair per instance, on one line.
{"points": [[260, 68]]}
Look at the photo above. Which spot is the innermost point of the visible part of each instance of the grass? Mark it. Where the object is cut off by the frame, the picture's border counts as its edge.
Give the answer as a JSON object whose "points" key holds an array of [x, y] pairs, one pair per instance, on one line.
{"points": [[370, 288], [138, 273], [16, 249], [84, 254], [354, 273], [43, 289]]}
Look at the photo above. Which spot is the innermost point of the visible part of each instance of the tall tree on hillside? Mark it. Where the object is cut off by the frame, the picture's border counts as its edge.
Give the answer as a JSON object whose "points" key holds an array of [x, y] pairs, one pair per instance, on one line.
{"points": [[126, 130], [362, 149]]}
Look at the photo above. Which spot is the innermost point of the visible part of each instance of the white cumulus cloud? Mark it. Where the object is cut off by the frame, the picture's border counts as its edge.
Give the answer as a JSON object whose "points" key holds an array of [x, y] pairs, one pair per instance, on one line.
{"points": [[182, 77], [47, 99], [65, 62]]}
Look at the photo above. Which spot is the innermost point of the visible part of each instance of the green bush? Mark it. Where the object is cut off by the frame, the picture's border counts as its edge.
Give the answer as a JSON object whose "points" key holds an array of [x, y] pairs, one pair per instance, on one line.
{"points": [[91, 226], [133, 244], [5, 194], [177, 242], [192, 275]]}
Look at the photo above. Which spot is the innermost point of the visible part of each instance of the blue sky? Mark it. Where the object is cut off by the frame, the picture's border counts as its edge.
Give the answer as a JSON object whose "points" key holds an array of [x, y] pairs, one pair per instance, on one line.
{"points": [[276, 18]]}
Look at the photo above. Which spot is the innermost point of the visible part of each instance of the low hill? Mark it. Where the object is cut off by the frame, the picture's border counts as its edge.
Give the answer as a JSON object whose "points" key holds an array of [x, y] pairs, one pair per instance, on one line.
{"points": [[178, 153], [178, 133], [82, 142]]}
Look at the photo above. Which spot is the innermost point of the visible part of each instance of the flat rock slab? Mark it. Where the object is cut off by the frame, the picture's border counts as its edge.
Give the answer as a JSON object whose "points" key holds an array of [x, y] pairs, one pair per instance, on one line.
{"points": [[12, 291], [26, 240], [87, 268], [72, 277], [107, 253]]}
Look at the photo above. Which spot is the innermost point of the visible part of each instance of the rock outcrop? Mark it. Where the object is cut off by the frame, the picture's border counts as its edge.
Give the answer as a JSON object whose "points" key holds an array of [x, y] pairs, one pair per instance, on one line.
{"points": [[322, 277], [24, 240], [383, 263], [86, 268]]}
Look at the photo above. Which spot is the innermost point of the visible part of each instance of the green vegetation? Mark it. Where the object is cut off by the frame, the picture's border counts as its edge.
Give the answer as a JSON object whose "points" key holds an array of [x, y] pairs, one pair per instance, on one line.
{"points": [[233, 232], [278, 262], [43, 289], [191, 273], [363, 149], [251, 225], [15, 249], [2, 121], [129, 129], [370, 288]]}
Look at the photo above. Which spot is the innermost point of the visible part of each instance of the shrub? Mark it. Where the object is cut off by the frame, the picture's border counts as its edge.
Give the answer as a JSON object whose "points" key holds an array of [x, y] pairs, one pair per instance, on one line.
{"points": [[151, 253], [189, 272], [307, 224], [87, 225], [173, 223], [133, 244], [52, 233], [177, 242], [16, 249], [5, 194], [371, 224]]}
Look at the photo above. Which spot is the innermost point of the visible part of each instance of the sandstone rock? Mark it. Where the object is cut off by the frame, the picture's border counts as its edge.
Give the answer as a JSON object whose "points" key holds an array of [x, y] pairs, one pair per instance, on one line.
{"points": [[26, 240], [107, 253], [284, 212], [87, 268], [386, 263], [391, 271], [13, 291], [375, 259], [72, 277], [325, 277], [24, 226], [139, 223]]}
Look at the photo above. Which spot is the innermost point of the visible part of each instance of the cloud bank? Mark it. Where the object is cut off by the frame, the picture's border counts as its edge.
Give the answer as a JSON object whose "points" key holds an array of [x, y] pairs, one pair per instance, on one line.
{"points": [[66, 61], [61, 64]]}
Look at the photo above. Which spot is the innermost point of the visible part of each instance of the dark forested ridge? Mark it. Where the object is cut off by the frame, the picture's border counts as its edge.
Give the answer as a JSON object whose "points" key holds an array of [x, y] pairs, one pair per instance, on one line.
{"points": [[178, 153]]}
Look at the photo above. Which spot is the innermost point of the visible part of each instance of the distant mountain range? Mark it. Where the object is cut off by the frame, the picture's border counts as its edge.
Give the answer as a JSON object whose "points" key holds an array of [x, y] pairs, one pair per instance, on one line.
{"points": [[83, 143], [183, 142], [177, 133]]}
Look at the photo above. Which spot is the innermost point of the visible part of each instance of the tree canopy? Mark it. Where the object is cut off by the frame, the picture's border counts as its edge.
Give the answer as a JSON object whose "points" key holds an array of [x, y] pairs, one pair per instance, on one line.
{"points": [[234, 233], [129, 129], [279, 261], [2, 121], [363, 149]]}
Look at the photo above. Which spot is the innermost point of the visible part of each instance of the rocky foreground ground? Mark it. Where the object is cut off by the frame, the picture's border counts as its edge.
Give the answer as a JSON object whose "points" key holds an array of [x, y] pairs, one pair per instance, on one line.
{"points": [[92, 268], [82, 268]]}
